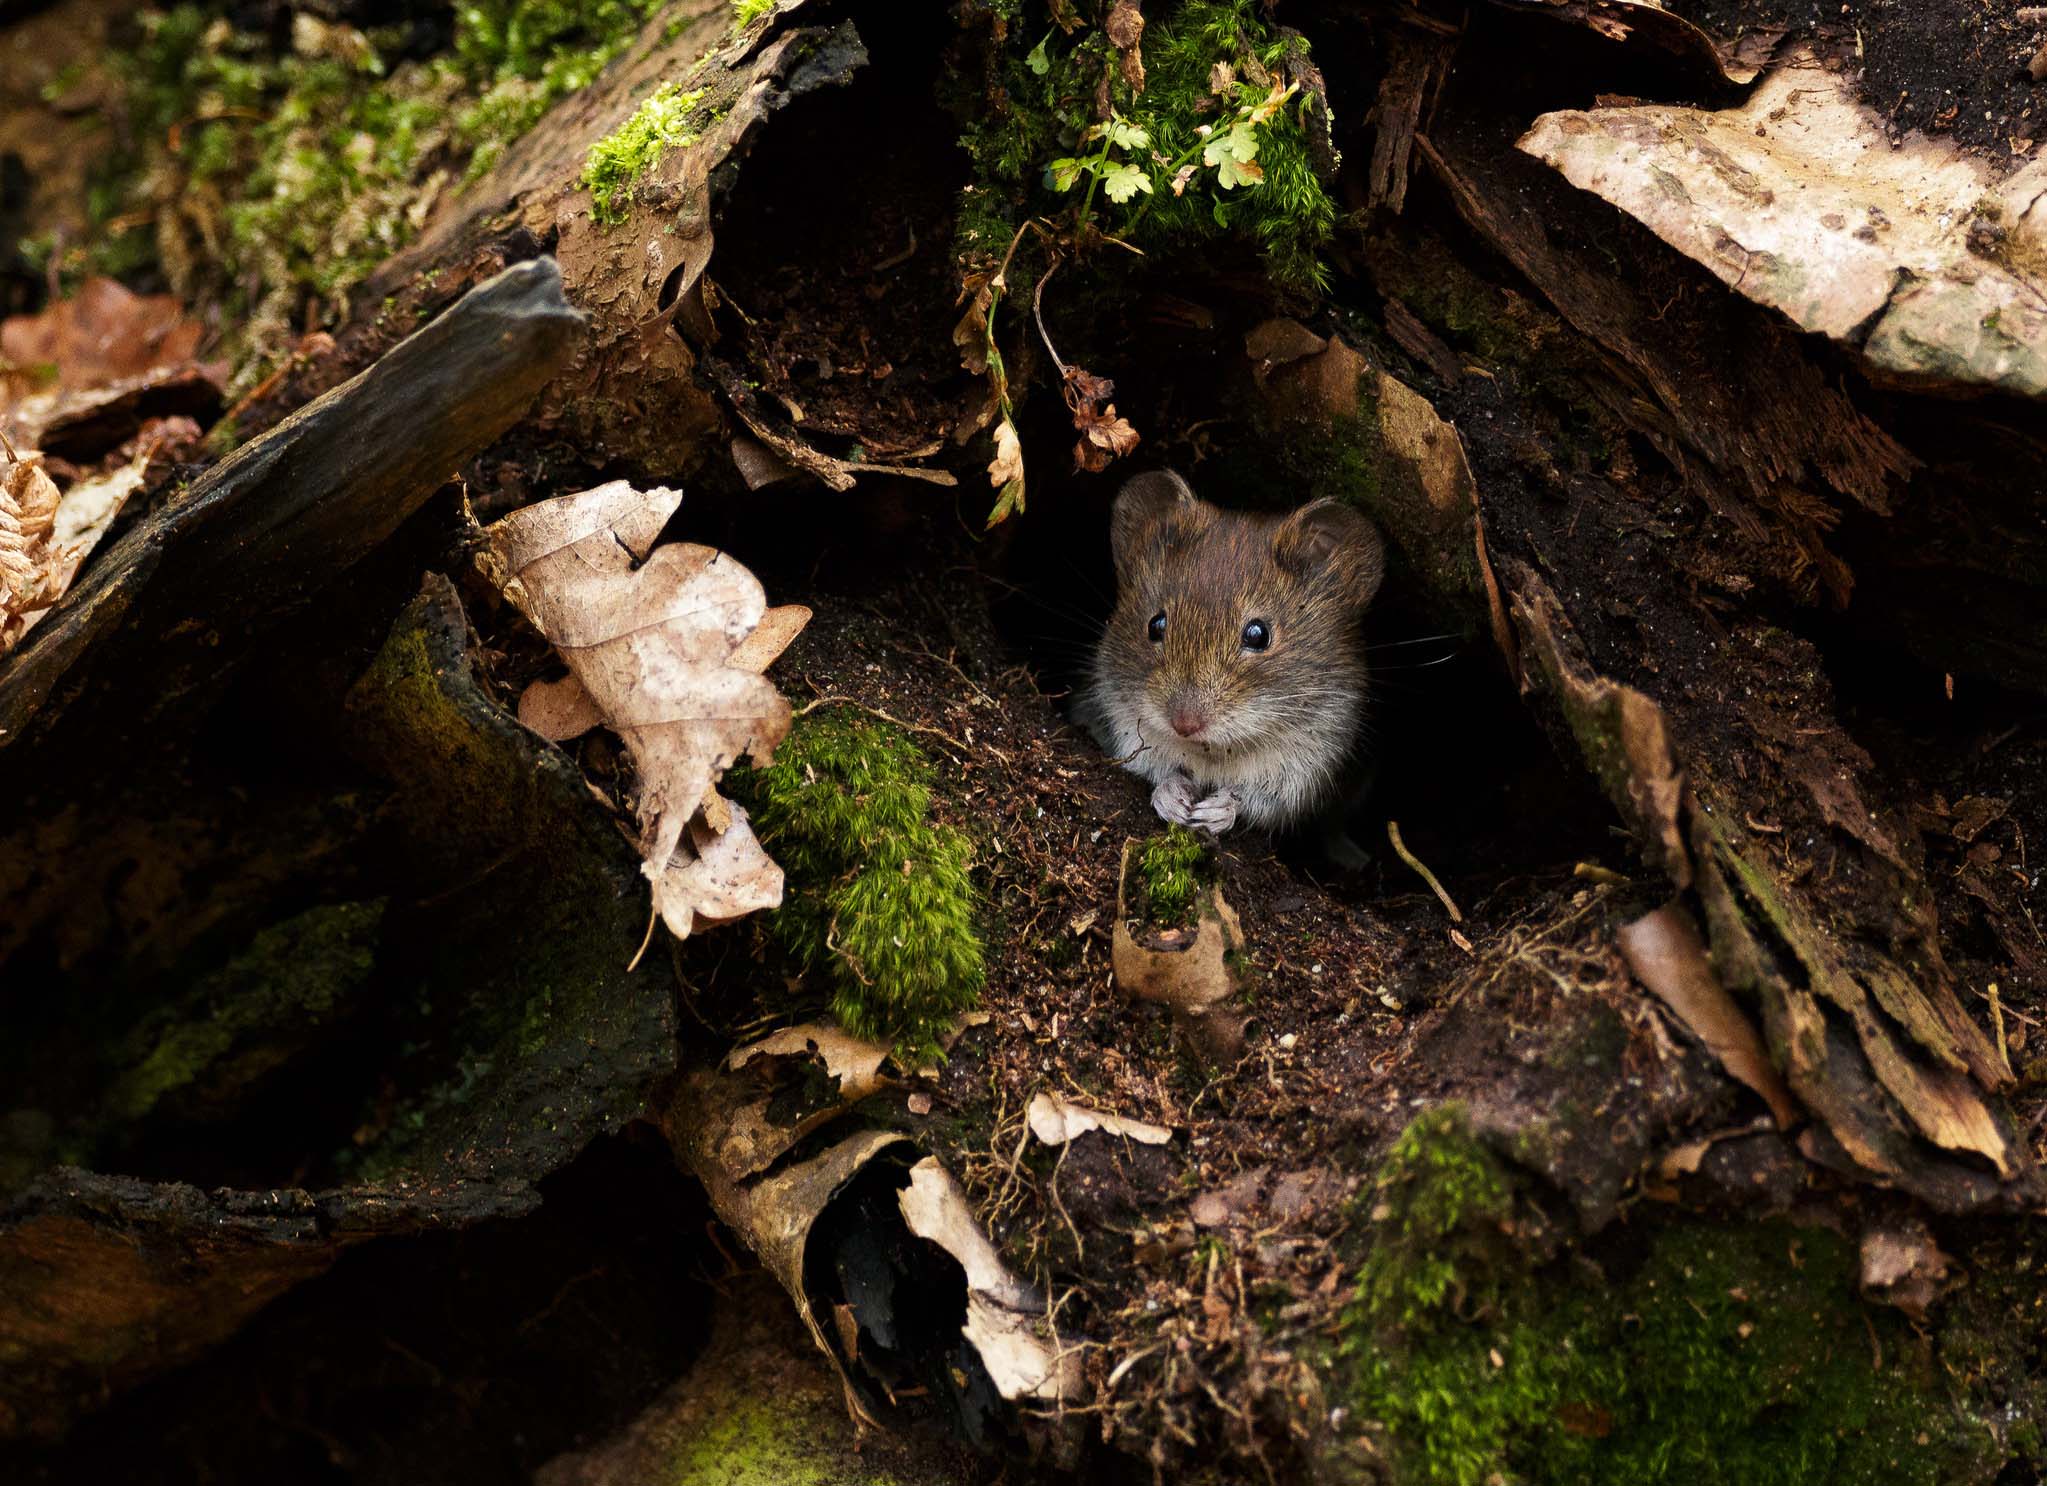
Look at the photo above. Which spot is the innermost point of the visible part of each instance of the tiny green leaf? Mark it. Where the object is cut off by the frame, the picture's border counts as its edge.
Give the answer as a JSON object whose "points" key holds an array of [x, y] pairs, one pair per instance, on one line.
{"points": [[1235, 172], [1127, 136], [1124, 182], [1037, 59], [1061, 174]]}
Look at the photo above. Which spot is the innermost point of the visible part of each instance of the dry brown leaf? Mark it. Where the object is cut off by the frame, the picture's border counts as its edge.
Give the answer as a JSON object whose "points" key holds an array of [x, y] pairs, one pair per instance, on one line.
{"points": [[1103, 435], [664, 653], [1056, 1120], [1665, 952], [855, 1064], [102, 334], [1008, 463], [1125, 29], [1904, 1267], [28, 515]]}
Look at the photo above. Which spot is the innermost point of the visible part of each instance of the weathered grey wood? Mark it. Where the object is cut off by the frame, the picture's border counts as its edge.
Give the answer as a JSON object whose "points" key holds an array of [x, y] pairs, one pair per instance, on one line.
{"points": [[267, 528]]}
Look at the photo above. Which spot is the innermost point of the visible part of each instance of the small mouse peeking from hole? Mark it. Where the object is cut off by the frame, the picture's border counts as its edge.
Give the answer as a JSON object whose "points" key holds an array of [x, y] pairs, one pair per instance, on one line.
{"points": [[1232, 672]]}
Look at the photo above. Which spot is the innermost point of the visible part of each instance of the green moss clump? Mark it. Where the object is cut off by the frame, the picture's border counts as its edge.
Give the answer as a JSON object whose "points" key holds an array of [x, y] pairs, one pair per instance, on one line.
{"points": [[1173, 868], [531, 54], [1440, 1201], [618, 160], [881, 892], [1727, 1354], [746, 12]]}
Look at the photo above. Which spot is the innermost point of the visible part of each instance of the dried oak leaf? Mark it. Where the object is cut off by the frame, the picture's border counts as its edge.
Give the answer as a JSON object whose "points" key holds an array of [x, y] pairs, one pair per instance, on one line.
{"points": [[45, 539], [666, 647], [28, 515]]}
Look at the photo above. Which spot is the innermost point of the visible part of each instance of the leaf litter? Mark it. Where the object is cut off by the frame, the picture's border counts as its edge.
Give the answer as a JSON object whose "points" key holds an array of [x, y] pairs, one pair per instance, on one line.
{"points": [[665, 645], [94, 372]]}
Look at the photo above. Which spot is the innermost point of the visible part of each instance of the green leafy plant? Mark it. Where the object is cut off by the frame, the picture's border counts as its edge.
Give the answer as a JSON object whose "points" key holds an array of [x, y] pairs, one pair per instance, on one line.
{"points": [[1127, 165]]}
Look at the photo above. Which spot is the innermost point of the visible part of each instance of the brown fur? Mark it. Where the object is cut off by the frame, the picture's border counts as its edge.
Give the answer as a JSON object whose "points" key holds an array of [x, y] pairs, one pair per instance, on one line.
{"points": [[1280, 722]]}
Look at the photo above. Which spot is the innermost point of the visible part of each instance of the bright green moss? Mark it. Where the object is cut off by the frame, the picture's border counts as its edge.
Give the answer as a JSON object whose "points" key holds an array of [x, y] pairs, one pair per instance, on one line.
{"points": [[1729, 1355], [881, 894], [746, 12], [1172, 869], [618, 160]]}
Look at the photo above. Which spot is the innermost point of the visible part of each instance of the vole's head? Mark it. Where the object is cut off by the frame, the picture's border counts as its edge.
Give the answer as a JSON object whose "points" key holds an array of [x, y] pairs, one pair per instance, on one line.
{"points": [[1232, 630]]}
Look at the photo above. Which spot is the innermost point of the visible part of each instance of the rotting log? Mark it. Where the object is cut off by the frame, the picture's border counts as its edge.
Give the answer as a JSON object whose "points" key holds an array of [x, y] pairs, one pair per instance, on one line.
{"points": [[107, 1280], [266, 529]]}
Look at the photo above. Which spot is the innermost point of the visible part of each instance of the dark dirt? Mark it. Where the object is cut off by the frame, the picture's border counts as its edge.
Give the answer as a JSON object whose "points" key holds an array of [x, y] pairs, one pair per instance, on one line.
{"points": [[1953, 67], [1366, 1001]]}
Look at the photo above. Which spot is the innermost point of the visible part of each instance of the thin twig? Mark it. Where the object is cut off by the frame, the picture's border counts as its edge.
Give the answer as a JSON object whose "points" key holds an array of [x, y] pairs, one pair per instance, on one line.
{"points": [[653, 915], [1400, 850], [1038, 313]]}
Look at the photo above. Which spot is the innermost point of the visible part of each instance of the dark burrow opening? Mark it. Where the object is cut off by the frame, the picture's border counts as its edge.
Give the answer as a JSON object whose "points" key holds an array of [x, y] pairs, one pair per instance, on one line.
{"points": [[1478, 789]]}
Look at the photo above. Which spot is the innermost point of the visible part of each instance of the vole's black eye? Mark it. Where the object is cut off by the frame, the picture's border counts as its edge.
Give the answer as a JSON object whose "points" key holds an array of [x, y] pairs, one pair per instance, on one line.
{"points": [[1157, 628], [1257, 635]]}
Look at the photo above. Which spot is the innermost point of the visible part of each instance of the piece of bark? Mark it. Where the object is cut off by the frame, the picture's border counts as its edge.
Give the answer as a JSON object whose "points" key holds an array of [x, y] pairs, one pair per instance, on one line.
{"points": [[1720, 387], [260, 534], [1415, 64]]}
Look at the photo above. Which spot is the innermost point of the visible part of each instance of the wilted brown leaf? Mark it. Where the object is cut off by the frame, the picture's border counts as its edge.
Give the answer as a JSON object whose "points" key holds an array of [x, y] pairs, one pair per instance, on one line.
{"points": [[1666, 954], [1125, 29], [1006, 470], [1904, 1267], [668, 654], [1103, 435], [1005, 1319], [1055, 1120], [855, 1064], [28, 515], [102, 334]]}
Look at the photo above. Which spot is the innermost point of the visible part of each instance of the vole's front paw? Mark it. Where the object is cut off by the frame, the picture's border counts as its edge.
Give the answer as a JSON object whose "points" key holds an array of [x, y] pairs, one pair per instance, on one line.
{"points": [[1216, 812], [1174, 799]]}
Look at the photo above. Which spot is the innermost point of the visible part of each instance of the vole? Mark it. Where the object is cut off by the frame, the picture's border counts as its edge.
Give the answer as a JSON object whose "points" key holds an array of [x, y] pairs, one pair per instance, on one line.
{"points": [[1232, 672]]}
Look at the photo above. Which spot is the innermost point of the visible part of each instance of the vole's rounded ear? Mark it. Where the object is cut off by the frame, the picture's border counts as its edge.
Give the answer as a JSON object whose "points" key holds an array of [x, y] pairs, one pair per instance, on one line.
{"points": [[1328, 536], [1146, 509]]}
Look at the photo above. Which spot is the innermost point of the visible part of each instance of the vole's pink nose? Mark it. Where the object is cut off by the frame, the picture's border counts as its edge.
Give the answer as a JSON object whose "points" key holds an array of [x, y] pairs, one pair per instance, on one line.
{"points": [[1188, 720]]}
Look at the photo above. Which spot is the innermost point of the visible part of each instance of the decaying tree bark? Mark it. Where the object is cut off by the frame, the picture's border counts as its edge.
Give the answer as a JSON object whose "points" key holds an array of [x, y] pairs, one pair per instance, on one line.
{"points": [[1690, 541]]}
